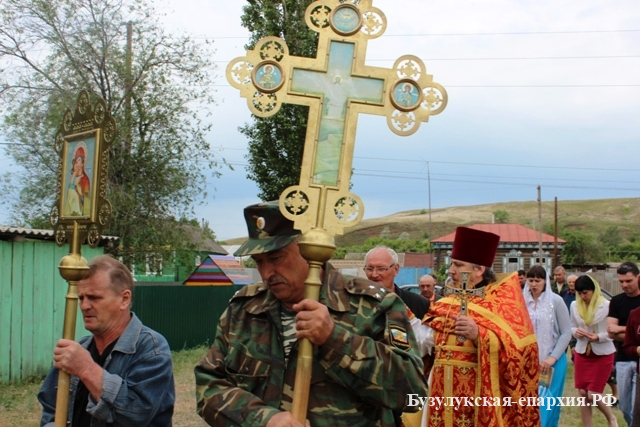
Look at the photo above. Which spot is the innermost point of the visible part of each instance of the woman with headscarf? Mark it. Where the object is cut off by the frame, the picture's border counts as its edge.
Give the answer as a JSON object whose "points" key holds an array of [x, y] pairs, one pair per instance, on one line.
{"points": [[594, 351], [552, 326]]}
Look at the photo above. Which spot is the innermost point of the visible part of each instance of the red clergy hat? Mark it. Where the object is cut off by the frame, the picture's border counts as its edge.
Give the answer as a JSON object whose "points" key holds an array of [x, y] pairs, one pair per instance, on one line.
{"points": [[475, 246]]}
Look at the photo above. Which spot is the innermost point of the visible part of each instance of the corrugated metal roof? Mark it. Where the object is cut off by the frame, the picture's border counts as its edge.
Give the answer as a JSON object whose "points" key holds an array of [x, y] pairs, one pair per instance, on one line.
{"points": [[509, 233], [36, 233]]}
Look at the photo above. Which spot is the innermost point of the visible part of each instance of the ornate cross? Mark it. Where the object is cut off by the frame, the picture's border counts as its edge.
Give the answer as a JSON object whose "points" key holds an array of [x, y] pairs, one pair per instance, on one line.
{"points": [[336, 86], [463, 292]]}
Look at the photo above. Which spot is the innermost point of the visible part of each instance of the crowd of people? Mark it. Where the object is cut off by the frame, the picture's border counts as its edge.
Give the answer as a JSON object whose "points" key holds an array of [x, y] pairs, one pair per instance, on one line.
{"points": [[382, 356]]}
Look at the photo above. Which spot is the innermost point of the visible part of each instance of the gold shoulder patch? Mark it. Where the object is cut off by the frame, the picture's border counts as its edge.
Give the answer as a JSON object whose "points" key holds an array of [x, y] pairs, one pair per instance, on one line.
{"points": [[399, 336]]}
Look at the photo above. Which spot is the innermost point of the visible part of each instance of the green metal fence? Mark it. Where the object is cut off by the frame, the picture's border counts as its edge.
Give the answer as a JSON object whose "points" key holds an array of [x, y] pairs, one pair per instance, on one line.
{"points": [[187, 316], [32, 300]]}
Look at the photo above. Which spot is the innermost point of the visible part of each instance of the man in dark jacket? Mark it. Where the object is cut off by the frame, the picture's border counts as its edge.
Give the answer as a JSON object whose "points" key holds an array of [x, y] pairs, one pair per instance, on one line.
{"points": [[381, 266], [121, 375]]}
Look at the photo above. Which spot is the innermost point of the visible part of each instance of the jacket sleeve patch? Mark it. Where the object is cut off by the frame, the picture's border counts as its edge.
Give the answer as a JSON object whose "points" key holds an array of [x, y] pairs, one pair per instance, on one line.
{"points": [[399, 337]]}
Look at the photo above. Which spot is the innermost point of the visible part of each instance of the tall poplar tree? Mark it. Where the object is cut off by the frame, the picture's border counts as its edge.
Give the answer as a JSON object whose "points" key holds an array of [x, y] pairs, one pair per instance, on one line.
{"points": [[49, 51], [276, 143]]}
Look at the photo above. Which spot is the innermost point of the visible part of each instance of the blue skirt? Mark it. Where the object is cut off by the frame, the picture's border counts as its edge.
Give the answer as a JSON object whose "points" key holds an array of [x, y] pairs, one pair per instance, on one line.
{"points": [[550, 417]]}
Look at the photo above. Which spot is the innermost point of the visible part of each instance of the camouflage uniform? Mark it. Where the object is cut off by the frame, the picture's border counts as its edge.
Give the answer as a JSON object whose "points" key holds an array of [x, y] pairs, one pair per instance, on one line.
{"points": [[364, 371]]}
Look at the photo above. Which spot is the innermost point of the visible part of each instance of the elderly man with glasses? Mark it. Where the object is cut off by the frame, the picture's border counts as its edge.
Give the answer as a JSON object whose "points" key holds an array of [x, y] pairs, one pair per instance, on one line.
{"points": [[381, 266]]}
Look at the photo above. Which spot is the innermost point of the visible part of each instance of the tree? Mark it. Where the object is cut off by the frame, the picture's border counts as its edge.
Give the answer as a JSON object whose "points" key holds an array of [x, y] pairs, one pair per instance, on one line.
{"points": [[501, 216], [276, 143], [50, 50], [398, 245], [611, 237], [580, 248]]}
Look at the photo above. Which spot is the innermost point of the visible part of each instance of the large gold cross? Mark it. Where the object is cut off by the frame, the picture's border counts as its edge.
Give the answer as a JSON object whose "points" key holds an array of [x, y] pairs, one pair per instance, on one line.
{"points": [[336, 86]]}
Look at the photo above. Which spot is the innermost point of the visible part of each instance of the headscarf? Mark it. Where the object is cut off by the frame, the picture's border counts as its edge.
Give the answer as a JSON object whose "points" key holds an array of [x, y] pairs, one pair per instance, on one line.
{"points": [[588, 311], [543, 319]]}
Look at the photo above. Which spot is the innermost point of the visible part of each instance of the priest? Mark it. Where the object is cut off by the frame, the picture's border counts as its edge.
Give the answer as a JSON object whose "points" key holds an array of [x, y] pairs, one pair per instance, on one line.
{"points": [[487, 358]]}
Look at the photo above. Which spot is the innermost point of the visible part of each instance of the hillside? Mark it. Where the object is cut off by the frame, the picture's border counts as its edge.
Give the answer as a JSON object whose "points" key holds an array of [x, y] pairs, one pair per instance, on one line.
{"points": [[592, 216]]}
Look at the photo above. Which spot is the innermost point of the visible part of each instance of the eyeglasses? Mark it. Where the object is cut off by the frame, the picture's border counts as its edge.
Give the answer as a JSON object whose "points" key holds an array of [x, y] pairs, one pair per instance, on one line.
{"points": [[378, 270]]}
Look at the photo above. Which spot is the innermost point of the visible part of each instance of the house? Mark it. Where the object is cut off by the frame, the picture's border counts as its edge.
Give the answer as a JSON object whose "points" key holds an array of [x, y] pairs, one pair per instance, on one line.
{"points": [[154, 268], [518, 248], [219, 270]]}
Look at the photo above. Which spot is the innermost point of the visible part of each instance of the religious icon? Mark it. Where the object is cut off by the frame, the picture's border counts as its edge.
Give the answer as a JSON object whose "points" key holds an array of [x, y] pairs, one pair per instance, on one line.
{"points": [[406, 95], [346, 20], [268, 77], [78, 168]]}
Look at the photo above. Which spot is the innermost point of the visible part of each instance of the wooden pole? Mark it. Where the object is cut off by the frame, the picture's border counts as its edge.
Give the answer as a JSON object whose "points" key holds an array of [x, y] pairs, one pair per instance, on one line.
{"points": [[539, 226], [556, 261], [73, 268]]}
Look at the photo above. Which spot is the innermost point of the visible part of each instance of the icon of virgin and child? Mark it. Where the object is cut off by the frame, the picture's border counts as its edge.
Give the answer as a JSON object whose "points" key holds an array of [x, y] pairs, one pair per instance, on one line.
{"points": [[78, 191]]}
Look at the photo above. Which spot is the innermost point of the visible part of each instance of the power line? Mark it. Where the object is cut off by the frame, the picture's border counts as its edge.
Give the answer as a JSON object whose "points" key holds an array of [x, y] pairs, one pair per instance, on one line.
{"points": [[517, 58], [572, 187], [491, 86], [499, 165], [505, 33], [357, 170]]}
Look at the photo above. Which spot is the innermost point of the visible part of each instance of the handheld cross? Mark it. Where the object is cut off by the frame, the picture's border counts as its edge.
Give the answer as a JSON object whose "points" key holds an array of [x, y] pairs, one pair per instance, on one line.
{"points": [[463, 292]]}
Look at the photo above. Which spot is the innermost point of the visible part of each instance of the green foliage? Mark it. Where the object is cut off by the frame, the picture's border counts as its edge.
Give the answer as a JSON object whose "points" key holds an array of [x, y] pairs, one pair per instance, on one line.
{"points": [[581, 248], [611, 237], [626, 252], [442, 272], [158, 161], [399, 245], [276, 143], [249, 263], [501, 216]]}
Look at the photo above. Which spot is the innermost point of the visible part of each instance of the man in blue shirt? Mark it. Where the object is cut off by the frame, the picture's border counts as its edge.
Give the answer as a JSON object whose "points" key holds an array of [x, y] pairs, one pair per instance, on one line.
{"points": [[122, 373]]}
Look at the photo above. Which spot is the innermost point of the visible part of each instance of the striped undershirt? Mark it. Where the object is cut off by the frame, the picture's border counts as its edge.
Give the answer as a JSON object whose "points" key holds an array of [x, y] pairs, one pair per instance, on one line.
{"points": [[288, 318]]}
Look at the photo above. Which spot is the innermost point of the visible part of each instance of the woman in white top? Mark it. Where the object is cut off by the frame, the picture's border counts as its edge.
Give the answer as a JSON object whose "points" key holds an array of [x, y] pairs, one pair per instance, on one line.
{"points": [[552, 326], [594, 351]]}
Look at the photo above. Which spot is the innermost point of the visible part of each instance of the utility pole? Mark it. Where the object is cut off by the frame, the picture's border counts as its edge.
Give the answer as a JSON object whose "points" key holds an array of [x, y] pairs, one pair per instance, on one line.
{"points": [[128, 87], [555, 232], [429, 189], [539, 226]]}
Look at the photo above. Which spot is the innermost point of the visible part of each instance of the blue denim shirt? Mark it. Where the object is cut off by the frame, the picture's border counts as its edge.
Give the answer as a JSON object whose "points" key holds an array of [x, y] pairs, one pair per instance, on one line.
{"points": [[137, 387]]}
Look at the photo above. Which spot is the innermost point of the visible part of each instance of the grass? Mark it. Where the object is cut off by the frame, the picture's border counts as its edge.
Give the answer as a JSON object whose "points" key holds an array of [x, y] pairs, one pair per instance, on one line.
{"points": [[20, 408]]}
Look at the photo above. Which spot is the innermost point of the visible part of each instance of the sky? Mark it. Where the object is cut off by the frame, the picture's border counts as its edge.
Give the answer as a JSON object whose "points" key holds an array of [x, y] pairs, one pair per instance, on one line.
{"points": [[540, 93]]}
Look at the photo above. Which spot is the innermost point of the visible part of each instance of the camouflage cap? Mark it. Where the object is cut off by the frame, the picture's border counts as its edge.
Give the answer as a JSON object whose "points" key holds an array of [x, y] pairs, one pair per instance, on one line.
{"points": [[268, 229]]}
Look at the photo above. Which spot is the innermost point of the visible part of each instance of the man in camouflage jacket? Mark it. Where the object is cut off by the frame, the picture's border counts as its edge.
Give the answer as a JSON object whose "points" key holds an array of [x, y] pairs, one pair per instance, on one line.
{"points": [[365, 358]]}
